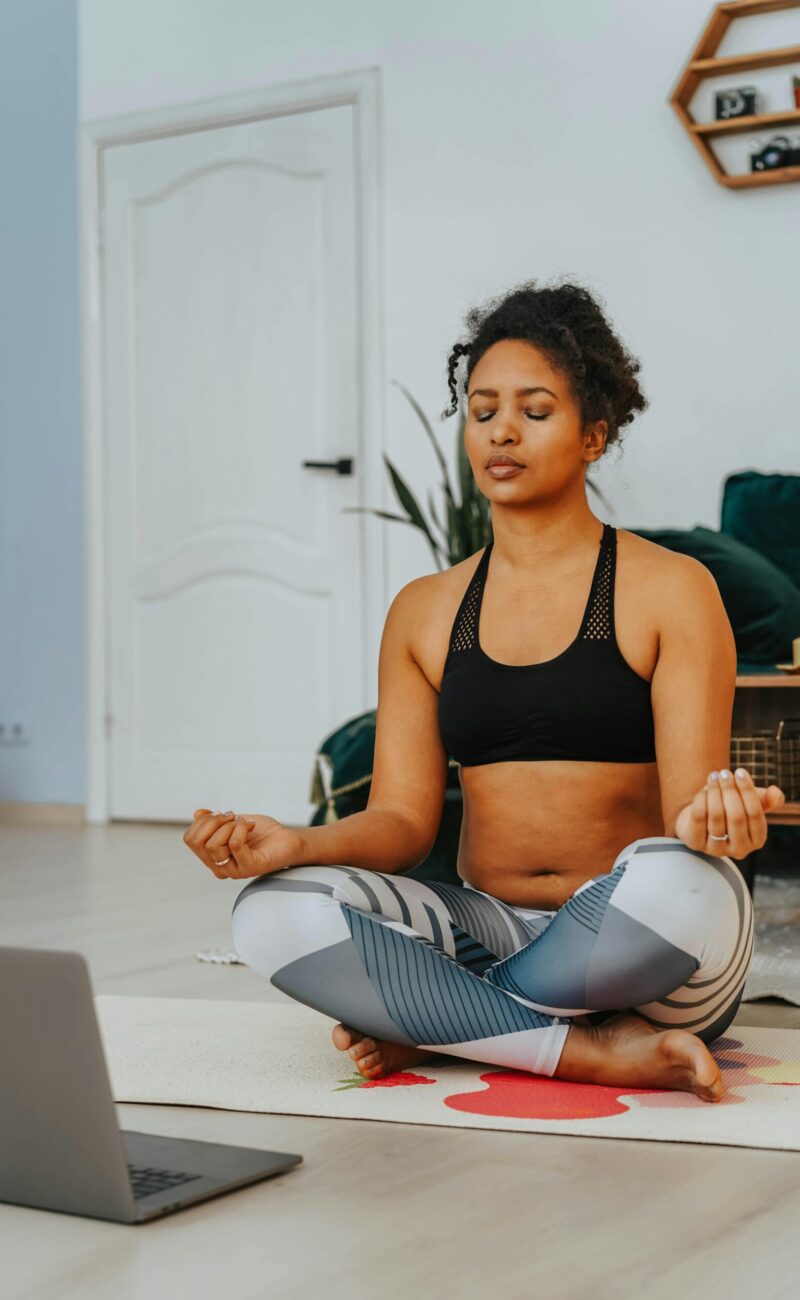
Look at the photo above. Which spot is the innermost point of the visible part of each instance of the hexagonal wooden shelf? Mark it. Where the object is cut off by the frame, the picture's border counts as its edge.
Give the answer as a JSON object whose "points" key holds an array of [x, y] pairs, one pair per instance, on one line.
{"points": [[702, 64]]}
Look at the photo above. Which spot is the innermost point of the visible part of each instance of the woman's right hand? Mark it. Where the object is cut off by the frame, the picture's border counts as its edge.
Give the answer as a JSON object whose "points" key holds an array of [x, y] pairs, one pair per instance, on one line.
{"points": [[257, 844]]}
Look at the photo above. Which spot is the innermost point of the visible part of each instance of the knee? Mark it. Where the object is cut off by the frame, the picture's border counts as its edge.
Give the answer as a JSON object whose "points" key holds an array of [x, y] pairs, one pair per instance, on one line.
{"points": [[701, 900], [274, 917], [261, 885], [676, 866]]}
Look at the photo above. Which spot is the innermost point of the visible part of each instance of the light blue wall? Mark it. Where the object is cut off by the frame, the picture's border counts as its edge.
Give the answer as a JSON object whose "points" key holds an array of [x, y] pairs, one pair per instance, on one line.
{"points": [[42, 640]]}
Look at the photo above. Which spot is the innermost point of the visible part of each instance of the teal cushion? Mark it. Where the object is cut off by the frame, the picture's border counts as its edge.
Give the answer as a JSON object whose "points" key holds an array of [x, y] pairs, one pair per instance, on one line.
{"points": [[763, 511], [762, 603]]}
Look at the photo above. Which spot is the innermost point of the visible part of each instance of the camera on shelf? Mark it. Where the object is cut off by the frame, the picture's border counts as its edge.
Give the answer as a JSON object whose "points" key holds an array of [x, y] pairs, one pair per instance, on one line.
{"points": [[780, 151], [739, 101]]}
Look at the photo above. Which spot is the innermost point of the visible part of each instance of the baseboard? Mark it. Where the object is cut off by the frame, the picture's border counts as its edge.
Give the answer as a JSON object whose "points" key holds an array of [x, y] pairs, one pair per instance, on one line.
{"points": [[42, 814]]}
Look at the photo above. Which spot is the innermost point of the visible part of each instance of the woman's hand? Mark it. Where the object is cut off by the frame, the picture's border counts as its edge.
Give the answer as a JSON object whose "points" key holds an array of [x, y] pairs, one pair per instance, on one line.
{"points": [[256, 845], [728, 805]]}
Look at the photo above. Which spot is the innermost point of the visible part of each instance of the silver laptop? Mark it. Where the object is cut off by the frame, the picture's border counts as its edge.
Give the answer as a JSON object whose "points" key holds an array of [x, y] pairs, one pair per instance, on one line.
{"points": [[61, 1147]]}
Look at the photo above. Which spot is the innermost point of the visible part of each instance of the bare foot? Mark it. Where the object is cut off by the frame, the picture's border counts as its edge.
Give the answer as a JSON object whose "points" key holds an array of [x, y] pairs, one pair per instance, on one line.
{"points": [[628, 1050], [377, 1057]]}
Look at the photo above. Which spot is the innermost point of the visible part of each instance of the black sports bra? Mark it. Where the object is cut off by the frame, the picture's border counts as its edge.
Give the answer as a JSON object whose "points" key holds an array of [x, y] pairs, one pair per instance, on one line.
{"points": [[587, 704]]}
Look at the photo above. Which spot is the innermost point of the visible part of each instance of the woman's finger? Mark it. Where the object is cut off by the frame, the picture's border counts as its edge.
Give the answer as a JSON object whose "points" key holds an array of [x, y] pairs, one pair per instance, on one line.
{"points": [[241, 852], [739, 842], [716, 823], [217, 843], [697, 834], [205, 840], [753, 807]]}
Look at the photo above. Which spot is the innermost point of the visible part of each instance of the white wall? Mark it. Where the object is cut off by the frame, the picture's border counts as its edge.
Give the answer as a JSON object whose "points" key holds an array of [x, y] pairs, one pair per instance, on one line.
{"points": [[526, 138]]}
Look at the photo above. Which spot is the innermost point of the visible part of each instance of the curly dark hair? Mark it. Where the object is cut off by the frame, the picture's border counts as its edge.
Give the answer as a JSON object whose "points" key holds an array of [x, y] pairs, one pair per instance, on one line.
{"points": [[568, 324]]}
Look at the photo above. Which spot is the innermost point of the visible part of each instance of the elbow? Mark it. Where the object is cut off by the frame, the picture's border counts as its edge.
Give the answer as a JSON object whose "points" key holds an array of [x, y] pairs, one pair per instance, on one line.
{"points": [[420, 853]]}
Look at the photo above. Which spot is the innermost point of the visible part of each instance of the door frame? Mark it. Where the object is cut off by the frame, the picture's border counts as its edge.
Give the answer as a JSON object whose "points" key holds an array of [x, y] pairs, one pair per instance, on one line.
{"points": [[362, 88]]}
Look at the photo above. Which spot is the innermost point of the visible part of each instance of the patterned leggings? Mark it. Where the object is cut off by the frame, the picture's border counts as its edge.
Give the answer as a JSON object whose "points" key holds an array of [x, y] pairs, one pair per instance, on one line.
{"points": [[668, 931]]}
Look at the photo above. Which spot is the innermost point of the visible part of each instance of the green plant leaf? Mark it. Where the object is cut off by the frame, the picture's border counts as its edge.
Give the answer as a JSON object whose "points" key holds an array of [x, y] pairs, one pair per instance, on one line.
{"points": [[426, 424], [408, 502], [384, 514], [435, 518]]}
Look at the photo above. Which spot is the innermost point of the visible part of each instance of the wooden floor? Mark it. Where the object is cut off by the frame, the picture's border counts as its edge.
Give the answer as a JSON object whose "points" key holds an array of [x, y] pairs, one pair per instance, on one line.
{"points": [[378, 1209]]}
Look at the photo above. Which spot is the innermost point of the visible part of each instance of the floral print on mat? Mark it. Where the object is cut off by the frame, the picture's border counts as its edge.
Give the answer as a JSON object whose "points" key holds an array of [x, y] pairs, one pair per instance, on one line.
{"points": [[752, 1068], [516, 1094], [397, 1079]]}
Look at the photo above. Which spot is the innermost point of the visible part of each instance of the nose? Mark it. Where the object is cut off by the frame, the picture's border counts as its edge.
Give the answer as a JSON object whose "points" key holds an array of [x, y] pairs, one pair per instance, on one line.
{"points": [[505, 442], [503, 430]]}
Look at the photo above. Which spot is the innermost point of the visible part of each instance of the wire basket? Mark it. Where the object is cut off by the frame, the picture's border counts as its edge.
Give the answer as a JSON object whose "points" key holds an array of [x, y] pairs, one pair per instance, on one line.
{"points": [[788, 743], [772, 757], [758, 752]]}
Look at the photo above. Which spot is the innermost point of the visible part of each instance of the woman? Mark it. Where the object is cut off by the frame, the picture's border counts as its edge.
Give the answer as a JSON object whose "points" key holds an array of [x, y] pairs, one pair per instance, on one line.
{"points": [[584, 678]]}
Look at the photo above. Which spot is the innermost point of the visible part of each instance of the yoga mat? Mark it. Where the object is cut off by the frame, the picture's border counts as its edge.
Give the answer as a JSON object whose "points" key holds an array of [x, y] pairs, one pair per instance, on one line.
{"points": [[279, 1058]]}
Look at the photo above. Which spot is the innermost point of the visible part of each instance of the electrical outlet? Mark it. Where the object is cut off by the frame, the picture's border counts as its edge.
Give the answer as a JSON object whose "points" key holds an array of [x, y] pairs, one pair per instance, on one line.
{"points": [[14, 732]]}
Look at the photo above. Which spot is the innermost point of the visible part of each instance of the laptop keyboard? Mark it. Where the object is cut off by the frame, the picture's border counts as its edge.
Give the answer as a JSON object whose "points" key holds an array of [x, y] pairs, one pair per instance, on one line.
{"points": [[146, 1181]]}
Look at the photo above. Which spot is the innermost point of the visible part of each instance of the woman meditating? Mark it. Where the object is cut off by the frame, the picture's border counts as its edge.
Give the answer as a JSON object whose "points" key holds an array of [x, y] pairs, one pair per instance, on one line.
{"points": [[583, 678]]}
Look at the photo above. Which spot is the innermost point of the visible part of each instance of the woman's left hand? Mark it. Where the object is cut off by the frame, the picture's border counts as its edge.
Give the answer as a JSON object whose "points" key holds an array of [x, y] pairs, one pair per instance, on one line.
{"points": [[729, 804]]}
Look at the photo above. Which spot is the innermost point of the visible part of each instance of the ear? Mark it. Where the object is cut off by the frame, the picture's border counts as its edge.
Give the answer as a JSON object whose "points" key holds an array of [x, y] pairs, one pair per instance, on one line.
{"points": [[595, 439]]}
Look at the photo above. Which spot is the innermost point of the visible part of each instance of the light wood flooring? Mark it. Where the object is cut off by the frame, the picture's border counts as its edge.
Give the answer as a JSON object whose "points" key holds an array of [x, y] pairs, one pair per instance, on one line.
{"points": [[377, 1209]]}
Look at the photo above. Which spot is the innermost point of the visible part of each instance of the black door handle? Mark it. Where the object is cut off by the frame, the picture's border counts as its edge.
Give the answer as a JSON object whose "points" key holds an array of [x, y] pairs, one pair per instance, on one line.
{"points": [[343, 465]]}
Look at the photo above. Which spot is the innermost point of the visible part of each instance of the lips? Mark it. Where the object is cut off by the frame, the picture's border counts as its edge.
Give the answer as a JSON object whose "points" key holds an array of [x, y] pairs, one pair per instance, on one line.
{"points": [[503, 467]]}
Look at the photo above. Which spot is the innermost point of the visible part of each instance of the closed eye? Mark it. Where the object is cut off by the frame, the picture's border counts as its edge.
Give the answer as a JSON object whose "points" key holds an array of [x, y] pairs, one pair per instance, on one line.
{"points": [[481, 419]]}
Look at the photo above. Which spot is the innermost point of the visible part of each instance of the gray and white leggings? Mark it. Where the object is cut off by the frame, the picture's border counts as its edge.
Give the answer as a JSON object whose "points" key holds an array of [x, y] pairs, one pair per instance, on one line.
{"points": [[668, 932]]}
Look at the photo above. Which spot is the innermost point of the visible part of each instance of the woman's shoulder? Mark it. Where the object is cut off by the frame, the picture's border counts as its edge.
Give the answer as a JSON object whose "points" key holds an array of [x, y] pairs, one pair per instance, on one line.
{"points": [[668, 588], [442, 586], [428, 605]]}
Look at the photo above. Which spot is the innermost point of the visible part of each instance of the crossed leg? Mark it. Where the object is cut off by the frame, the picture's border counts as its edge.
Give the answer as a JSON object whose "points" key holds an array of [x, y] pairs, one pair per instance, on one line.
{"points": [[667, 932]]}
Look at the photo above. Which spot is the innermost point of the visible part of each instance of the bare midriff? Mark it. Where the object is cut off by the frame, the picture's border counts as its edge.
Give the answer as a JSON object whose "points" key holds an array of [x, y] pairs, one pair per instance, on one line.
{"points": [[534, 832]]}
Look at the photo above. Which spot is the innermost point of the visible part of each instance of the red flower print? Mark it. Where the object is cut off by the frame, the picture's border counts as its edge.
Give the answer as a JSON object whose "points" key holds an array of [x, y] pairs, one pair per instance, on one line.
{"points": [[397, 1079], [519, 1095]]}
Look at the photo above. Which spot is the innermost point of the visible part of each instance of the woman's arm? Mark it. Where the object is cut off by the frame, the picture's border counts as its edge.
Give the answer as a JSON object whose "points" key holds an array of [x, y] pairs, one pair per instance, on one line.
{"points": [[398, 828], [693, 684], [377, 839], [692, 697]]}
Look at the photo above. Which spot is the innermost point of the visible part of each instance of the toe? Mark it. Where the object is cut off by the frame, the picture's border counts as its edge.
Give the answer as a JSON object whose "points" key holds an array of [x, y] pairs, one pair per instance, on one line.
{"points": [[342, 1037], [373, 1071], [361, 1048]]}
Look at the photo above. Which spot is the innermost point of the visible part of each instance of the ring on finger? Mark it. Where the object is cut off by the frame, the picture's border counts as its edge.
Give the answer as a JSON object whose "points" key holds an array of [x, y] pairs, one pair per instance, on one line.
{"points": [[223, 835]]}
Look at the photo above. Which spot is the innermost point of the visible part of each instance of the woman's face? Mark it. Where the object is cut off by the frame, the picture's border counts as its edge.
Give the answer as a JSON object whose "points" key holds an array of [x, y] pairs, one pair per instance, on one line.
{"points": [[519, 406]]}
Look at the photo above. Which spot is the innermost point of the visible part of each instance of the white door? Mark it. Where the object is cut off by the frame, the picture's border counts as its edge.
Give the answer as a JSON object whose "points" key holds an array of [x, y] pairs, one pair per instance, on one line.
{"points": [[231, 345]]}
